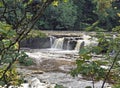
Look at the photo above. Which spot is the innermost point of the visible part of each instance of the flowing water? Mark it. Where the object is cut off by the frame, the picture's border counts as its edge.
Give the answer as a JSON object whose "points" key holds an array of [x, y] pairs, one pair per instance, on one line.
{"points": [[58, 43], [80, 43], [57, 61]]}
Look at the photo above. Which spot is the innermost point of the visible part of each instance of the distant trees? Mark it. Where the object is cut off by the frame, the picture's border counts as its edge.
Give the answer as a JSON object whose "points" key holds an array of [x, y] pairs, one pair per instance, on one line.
{"points": [[106, 14], [85, 16], [91, 15], [59, 17], [18, 17]]}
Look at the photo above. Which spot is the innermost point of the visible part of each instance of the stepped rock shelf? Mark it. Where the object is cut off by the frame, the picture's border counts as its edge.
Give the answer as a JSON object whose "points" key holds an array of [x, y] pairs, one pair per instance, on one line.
{"points": [[65, 43], [67, 33]]}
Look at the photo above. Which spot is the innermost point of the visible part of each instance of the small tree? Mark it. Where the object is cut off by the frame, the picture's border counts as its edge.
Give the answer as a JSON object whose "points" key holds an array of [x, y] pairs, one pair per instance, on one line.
{"points": [[17, 19]]}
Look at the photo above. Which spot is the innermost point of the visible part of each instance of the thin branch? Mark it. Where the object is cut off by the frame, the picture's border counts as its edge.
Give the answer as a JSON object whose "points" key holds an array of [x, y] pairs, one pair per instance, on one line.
{"points": [[107, 75], [24, 32], [8, 67]]}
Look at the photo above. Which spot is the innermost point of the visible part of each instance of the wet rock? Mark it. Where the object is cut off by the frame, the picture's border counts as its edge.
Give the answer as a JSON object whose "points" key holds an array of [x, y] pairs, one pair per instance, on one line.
{"points": [[48, 65], [72, 44], [67, 68], [65, 43], [78, 38], [53, 65], [37, 72], [34, 83], [36, 43]]}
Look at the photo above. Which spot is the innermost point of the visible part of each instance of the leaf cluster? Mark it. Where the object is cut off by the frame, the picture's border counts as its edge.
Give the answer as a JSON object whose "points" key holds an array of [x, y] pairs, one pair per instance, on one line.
{"points": [[12, 77], [17, 19], [92, 68], [88, 67], [25, 60]]}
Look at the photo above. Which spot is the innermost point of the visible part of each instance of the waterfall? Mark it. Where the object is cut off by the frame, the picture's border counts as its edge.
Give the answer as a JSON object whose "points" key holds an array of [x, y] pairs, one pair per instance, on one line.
{"points": [[52, 39], [86, 37], [72, 43], [80, 43], [58, 43], [68, 45]]}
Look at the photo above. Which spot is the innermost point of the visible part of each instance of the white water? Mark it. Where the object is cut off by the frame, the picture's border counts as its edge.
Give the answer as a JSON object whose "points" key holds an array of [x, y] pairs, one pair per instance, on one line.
{"points": [[57, 53], [87, 41], [78, 45], [52, 54], [58, 43], [64, 79], [52, 38], [68, 45]]}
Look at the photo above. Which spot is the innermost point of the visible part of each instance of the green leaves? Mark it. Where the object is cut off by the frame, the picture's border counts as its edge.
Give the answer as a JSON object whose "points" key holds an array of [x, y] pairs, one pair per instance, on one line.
{"points": [[116, 29], [55, 3], [11, 75], [3, 31], [24, 59], [62, 15], [85, 53], [4, 28], [1, 4], [96, 69], [6, 42], [59, 86], [102, 5]]}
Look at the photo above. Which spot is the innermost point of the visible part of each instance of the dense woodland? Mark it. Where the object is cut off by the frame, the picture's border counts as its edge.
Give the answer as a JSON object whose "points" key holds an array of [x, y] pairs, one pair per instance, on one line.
{"points": [[91, 15], [19, 17]]}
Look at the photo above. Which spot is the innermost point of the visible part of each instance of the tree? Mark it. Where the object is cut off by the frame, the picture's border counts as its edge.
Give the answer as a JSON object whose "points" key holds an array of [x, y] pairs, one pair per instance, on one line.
{"points": [[102, 10], [62, 16], [91, 68], [85, 15], [17, 19]]}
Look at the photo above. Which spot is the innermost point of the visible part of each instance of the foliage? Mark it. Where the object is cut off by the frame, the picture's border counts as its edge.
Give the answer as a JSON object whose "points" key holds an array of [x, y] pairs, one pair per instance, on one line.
{"points": [[99, 15], [59, 86], [102, 6], [62, 16], [17, 19], [106, 15], [116, 86], [86, 15], [25, 60], [116, 29], [12, 76], [92, 68], [87, 67]]}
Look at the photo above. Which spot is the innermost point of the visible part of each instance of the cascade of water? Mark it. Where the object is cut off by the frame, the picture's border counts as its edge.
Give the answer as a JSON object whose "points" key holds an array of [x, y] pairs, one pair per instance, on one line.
{"points": [[52, 39], [80, 43], [86, 37], [58, 43], [68, 45]]}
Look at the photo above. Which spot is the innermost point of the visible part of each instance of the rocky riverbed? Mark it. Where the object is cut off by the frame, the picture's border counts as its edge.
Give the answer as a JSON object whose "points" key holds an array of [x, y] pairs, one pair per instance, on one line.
{"points": [[53, 67]]}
